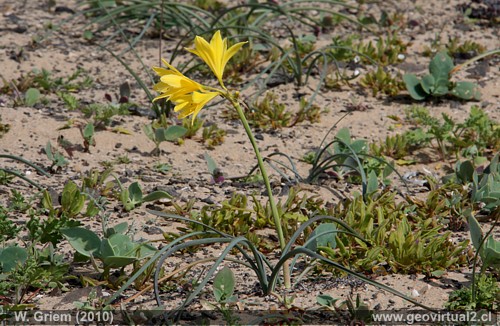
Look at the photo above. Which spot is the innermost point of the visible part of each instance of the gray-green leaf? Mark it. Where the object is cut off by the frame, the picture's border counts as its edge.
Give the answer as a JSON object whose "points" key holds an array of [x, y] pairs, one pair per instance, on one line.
{"points": [[414, 87], [10, 257], [323, 236], [32, 96], [224, 283], [83, 241]]}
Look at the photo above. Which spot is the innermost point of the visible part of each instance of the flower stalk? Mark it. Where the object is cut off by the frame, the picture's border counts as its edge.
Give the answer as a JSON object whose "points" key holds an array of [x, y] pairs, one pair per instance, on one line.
{"points": [[263, 171], [190, 97]]}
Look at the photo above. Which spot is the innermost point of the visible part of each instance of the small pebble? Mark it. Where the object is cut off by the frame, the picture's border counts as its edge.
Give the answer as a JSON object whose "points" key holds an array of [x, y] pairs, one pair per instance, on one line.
{"points": [[209, 200], [153, 230]]}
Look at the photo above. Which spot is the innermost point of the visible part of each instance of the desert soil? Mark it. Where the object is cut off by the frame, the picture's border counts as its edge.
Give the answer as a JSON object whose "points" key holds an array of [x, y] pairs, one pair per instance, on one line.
{"points": [[64, 50]]}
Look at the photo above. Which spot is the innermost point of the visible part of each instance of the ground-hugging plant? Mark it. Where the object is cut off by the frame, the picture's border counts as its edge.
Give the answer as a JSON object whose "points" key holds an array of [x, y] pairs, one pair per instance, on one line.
{"points": [[437, 83], [189, 98], [394, 146], [115, 250], [347, 158], [132, 196], [401, 240], [160, 131], [476, 137], [382, 81], [486, 246], [483, 292], [455, 48], [484, 183], [271, 114], [358, 311], [29, 261], [56, 157], [487, 296], [236, 216], [4, 128], [25, 269], [213, 136], [223, 290]]}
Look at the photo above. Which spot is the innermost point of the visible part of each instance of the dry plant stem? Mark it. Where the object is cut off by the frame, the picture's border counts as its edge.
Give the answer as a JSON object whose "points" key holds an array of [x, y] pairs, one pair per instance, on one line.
{"points": [[476, 58], [272, 203]]}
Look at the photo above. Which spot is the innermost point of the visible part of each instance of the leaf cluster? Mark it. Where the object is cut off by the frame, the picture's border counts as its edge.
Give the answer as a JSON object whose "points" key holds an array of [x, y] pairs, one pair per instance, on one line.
{"points": [[484, 182], [396, 146], [487, 296], [346, 158], [456, 49], [271, 114], [476, 136], [213, 136], [237, 217], [399, 242], [133, 196], [8, 229], [357, 311], [160, 131], [486, 245], [437, 83], [384, 51], [57, 158], [115, 250], [102, 114], [44, 80], [22, 269], [382, 81], [4, 128]]}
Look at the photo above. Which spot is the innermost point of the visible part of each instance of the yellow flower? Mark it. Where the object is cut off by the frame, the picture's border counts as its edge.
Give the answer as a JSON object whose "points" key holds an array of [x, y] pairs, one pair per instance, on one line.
{"points": [[216, 54], [188, 96], [193, 103], [173, 83]]}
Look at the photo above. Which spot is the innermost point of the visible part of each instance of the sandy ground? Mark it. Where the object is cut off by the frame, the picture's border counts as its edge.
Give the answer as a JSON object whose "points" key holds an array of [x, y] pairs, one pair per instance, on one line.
{"points": [[63, 51]]}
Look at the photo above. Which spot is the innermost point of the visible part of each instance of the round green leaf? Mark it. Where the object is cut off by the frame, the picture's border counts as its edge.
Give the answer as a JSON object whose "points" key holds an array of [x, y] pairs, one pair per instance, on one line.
{"points": [[84, 241], [10, 257], [427, 83], [466, 90], [135, 193], [224, 284], [441, 65], [117, 245], [32, 96], [414, 87]]}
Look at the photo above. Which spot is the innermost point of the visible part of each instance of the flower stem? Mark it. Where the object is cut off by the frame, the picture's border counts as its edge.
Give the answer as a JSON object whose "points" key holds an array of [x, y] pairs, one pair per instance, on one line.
{"points": [[272, 203]]}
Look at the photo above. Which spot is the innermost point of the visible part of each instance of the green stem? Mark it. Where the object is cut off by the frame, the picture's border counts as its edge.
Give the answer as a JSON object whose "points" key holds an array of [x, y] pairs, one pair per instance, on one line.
{"points": [[272, 203]]}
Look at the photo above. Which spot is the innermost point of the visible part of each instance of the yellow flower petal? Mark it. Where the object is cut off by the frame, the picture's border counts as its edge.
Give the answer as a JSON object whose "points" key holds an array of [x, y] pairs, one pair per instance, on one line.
{"points": [[188, 96], [216, 54], [193, 103], [206, 53], [160, 97], [173, 84]]}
